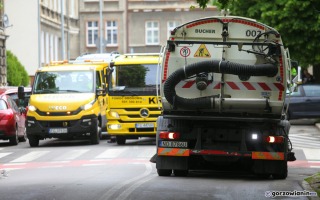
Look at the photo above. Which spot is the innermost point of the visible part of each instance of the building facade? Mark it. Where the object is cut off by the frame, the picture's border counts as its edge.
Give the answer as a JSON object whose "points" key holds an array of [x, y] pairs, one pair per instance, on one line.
{"points": [[133, 26], [37, 36], [127, 26]]}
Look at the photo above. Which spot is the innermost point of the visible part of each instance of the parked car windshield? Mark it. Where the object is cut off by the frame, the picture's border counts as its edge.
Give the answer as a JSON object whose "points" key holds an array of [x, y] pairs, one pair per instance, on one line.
{"points": [[64, 82], [133, 80]]}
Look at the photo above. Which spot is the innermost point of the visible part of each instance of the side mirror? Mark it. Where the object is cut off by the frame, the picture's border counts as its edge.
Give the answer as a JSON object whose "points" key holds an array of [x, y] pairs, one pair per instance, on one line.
{"points": [[100, 92], [21, 92]]}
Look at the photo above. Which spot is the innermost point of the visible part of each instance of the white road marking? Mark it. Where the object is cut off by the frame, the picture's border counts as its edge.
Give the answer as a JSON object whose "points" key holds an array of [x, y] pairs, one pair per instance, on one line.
{"points": [[30, 156], [71, 155], [5, 154], [311, 154], [111, 153]]}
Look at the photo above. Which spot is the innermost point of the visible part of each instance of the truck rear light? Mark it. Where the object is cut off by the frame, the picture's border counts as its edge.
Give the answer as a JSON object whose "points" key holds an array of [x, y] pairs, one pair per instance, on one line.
{"points": [[274, 139], [169, 135]]}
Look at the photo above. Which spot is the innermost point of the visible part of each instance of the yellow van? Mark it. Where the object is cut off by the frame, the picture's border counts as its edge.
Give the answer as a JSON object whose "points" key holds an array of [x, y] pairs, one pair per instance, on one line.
{"points": [[68, 101]]}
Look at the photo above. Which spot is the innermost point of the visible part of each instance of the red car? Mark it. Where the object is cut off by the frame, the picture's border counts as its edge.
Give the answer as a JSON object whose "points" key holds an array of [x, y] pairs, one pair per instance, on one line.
{"points": [[12, 118]]}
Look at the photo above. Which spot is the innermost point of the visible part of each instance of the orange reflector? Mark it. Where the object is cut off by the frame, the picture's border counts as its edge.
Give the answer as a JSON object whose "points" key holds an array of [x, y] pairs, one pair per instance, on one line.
{"points": [[173, 152], [267, 156]]}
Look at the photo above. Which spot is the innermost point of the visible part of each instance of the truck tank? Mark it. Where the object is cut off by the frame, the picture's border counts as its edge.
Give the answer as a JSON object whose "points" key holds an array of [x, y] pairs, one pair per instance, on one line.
{"points": [[223, 86]]}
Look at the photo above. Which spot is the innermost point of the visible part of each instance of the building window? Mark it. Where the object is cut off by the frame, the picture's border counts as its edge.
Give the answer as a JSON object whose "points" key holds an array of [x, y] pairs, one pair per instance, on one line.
{"points": [[112, 33], [92, 33], [171, 25], [152, 32]]}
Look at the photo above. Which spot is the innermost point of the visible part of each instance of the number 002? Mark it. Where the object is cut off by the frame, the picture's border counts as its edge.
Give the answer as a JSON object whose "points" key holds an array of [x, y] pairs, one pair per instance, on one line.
{"points": [[252, 33]]}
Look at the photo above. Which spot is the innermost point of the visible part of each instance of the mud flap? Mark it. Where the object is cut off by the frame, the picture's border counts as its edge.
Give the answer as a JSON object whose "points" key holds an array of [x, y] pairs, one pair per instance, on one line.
{"points": [[172, 162], [268, 167]]}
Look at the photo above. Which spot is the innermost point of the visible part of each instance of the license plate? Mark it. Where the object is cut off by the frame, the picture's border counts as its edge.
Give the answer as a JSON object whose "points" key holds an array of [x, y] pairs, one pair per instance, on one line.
{"points": [[173, 144], [145, 125], [58, 130]]}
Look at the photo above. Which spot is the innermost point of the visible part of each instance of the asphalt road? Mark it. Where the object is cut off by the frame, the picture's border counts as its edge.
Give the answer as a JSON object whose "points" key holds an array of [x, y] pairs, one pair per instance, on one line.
{"points": [[76, 170]]}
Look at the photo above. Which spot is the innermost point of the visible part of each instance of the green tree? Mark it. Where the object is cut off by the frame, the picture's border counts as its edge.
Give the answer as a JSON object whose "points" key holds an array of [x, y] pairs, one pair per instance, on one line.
{"points": [[16, 73], [297, 21]]}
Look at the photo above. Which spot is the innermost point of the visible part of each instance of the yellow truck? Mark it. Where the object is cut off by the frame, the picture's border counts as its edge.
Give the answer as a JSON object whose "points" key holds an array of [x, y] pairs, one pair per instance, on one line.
{"points": [[68, 100], [133, 105]]}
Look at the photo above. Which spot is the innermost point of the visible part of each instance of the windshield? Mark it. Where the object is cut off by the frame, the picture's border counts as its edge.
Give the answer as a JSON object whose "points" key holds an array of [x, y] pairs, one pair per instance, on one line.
{"points": [[137, 80], [64, 82]]}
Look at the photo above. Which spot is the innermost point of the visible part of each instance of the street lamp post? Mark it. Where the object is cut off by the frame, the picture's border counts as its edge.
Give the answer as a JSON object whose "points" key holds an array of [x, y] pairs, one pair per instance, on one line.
{"points": [[101, 24], [62, 30]]}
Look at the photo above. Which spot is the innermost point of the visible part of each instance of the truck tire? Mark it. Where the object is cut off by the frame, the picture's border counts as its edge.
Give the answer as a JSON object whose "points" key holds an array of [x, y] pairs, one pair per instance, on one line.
{"points": [[164, 172], [33, 141], [180, 172], [282, 172], [95, 135], [121, 140]]}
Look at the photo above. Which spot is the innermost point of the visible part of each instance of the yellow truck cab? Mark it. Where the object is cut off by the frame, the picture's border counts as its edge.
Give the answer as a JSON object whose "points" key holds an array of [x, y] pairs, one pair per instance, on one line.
{"points": [[133, 105], [68, 100]]}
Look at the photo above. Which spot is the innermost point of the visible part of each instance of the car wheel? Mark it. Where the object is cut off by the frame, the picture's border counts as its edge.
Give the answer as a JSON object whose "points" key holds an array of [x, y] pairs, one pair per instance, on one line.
{"points": [[121, 140], [33, 141], [15, 139]]}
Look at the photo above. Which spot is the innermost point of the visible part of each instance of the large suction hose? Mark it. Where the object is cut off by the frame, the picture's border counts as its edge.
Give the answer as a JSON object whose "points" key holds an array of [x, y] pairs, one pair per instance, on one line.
{"points": [[215, 66]]}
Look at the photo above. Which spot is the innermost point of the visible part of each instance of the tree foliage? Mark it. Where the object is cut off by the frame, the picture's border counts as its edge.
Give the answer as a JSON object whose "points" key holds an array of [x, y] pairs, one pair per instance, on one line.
{"points": [[16, 73], [297, 21]]}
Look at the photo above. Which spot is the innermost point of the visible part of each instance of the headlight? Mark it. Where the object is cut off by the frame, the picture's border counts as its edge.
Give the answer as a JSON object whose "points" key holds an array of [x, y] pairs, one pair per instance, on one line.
{"points": [[114, 114], [88, 105], [32, 108], [114, 126]]}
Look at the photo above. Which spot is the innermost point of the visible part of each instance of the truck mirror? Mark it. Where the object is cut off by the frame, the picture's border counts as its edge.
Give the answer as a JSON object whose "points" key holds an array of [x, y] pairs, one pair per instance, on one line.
{"points": [[21, 92]]}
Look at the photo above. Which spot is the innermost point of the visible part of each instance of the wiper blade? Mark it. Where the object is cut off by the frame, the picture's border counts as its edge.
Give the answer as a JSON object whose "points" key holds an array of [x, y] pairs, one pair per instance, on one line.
{"points": [[124, 92], [45, 91], [69, 91]]}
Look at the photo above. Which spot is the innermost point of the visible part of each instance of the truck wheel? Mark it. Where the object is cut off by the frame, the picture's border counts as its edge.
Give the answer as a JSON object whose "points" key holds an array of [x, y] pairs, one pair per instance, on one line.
{"points": [[283, 171], [181, 172], [121, 140], [15, 139], [95, 135], [164, 172], [33, 141]]}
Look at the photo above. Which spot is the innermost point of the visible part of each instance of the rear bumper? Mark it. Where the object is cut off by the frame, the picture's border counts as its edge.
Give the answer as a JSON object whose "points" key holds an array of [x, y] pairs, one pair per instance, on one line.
{"points": [[255, 155]]}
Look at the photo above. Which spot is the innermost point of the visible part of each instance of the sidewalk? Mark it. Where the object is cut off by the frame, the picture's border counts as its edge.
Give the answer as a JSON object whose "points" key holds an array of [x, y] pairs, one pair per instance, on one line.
{"points": [[315, 187]]}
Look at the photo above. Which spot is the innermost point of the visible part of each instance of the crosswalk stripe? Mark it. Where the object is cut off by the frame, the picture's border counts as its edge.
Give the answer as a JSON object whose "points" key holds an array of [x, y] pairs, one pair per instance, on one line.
{"points": [[5, 154], [311, 154], [147, 153], [111, 153], [73, 154], [309, 137], [30, 156]]}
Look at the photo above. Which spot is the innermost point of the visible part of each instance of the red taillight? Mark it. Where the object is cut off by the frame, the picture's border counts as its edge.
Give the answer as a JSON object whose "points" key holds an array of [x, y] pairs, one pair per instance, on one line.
{"points": [[169, 135], [274, 139]]}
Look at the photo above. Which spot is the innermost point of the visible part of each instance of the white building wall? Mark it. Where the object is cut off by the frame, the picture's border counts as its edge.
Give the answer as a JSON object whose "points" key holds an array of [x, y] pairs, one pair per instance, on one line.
{"points": [[23, 34]]}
